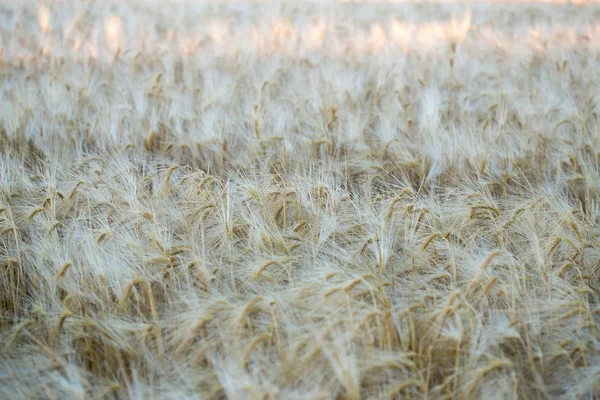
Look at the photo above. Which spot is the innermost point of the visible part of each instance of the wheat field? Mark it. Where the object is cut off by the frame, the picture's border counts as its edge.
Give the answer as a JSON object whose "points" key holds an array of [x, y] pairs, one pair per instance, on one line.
{"points": [[326, 200]]}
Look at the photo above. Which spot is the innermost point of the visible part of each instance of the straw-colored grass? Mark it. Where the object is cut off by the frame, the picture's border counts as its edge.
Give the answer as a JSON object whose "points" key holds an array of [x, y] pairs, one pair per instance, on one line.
{"points": [[299, 201]]}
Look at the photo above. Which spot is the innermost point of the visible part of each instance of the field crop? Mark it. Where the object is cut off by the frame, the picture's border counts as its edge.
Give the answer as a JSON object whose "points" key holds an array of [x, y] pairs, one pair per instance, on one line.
{"points": [[326, 200]]}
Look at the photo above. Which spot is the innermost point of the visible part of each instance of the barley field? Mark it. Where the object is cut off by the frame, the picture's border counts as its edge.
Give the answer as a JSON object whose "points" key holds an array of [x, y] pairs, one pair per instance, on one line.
{"points": [[299, 200]]}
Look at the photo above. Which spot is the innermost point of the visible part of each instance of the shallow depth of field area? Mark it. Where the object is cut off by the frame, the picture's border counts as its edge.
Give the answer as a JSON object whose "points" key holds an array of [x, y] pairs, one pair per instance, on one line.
{"points": [[326, 200]]}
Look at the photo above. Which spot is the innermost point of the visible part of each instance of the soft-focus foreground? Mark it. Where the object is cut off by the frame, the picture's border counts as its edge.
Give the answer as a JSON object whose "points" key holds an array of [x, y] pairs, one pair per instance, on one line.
{"points": [[317, 201]]}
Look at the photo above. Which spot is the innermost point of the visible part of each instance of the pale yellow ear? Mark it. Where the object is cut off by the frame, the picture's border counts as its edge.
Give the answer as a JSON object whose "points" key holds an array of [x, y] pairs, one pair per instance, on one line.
{"points": [[43, 17]]}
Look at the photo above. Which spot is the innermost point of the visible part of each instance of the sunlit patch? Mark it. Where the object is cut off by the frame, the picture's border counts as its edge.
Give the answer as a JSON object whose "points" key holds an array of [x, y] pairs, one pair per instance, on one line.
{"points": [[92, 51], [283, 32], [458, 29], [313, 35], [43, 17], [431, 35], [113, 31], [402, 34], [378, 37], [289, 36], [189, 44], [258, 38], [77, 42], [217, 29]]}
